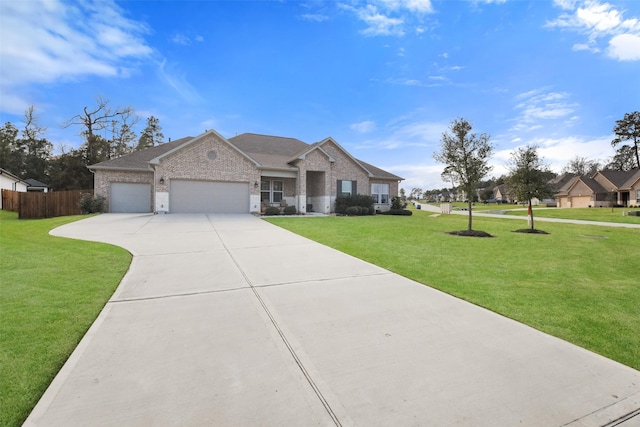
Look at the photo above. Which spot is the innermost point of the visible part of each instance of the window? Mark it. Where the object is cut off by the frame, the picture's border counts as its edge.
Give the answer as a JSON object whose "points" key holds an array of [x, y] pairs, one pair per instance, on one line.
{"points": [[271, 191], [380, 193], [347, 188]]}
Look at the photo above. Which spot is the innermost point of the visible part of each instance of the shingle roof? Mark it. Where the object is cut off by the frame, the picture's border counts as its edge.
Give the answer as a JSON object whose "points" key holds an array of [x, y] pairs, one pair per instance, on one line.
{"points": [[35, 183], [268, 151], [140, 159], [617, 178], [635, 176]]}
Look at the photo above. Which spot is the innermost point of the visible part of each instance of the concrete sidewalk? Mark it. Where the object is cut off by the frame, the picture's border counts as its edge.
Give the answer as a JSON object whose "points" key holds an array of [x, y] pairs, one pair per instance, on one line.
{"points": [[435, 209], [228, 320]]}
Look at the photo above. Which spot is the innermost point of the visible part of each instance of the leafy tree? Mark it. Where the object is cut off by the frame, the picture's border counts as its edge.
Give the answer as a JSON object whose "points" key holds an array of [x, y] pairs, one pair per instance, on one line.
{"points": [[581, 166], [465, 156], [529, 176], [151, 135], [68, 171], [628, 129], [11, 150], [122, 135], [37, 149], [415, 194], [623, 160]]}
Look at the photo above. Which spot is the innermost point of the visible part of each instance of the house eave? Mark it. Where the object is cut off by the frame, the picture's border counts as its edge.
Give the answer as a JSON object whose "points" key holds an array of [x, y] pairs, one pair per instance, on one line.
{"points": [[115, 168]]}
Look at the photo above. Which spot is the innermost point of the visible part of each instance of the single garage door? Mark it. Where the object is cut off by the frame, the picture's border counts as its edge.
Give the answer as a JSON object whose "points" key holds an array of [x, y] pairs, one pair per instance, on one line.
{"points": [[126, 197], [580, 201], [208, 197]]}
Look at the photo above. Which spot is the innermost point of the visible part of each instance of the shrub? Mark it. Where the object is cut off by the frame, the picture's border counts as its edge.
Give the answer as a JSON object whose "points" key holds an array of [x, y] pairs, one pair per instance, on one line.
{"points": [[398, 204], [359, 200], [90, 204], [404, 212], [352, 210], [289, 210], [272, 210]]}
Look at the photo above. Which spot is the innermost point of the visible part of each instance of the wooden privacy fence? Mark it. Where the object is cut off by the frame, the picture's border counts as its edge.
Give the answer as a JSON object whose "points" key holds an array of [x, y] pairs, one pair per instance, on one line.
{"points": [[10, 200], [45, 205]]}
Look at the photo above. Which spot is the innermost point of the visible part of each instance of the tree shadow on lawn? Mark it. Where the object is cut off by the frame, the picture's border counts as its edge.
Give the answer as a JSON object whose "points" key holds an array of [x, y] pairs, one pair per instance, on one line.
{"points": [[470, 233], [530, 231]]}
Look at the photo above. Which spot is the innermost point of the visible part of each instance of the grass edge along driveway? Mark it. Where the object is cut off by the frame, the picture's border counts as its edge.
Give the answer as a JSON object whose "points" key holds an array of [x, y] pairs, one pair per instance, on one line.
{"points": [[578, 283], [51, 291]]}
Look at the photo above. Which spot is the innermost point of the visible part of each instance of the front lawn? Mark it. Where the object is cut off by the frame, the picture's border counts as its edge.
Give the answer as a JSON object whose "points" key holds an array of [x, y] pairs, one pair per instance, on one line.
{"points": [[579, 283], [585, 214], [52, 289]]}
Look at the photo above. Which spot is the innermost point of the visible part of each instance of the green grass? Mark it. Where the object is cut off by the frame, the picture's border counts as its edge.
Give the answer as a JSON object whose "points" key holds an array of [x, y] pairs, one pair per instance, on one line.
{"points": [[51, 290], [579, 283], [586, 214]]}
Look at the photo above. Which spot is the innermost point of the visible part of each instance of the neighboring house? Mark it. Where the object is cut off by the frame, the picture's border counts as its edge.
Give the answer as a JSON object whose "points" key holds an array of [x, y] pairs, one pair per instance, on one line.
{"points": [[36, 186], [500, 192], [9, 181], [243, 174], [604, 188]]}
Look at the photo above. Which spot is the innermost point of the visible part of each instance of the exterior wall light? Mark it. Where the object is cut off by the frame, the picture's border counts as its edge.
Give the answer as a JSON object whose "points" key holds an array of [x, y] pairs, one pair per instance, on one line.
{"points": [[162, 180]]}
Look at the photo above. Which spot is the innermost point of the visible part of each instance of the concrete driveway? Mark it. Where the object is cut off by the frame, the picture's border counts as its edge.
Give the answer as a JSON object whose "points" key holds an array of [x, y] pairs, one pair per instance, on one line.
{"points": [[228, 320]]}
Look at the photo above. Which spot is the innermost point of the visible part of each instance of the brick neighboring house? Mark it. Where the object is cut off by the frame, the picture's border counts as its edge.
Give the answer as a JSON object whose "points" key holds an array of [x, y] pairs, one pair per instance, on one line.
{"points": [[602, 189], [243, 174]]}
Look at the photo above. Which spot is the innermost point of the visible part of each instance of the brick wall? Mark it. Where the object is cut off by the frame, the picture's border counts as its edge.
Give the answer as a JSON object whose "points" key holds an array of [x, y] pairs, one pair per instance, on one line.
{"points": [[102, 179], [209, 159]]}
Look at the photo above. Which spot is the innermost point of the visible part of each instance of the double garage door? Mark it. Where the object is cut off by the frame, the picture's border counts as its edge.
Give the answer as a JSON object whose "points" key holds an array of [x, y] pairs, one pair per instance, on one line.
{"points": [[208, 197]]}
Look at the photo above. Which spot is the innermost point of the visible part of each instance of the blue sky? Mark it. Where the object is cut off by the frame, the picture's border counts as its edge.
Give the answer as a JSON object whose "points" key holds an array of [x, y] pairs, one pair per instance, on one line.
{"points": [[384, 78]]}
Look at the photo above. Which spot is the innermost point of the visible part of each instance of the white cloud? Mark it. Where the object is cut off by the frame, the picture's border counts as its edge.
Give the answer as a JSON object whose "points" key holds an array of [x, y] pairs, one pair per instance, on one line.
{"points": [[625, 47], [49, 41], [178, 82], [596, 21], [536, 107], [390, 17], [181, 39], [315, 17], [364, 127]]}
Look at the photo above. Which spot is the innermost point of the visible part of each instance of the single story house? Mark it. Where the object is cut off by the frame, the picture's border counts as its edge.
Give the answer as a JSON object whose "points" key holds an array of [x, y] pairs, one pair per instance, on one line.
{"points": [[602, 189], [36, 186], [501, 192], [243, 174], [9, 181]]}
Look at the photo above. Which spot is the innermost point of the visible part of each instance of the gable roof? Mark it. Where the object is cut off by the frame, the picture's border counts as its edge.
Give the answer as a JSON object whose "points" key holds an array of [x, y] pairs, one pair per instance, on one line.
{"points": [[139, 160], [617, 178], [269, 151], [591, 183], [11, 176], [635, 177], [265, 151]]}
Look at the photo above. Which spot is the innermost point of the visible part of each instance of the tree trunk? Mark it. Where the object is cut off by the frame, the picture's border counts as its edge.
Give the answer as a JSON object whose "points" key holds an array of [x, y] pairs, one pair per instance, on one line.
{"points": [[470, 204], [530, 213]]}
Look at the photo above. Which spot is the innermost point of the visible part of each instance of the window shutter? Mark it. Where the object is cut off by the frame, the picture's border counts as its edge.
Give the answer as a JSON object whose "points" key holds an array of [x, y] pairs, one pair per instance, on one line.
{"points": [[339, 188], [354, 187]]}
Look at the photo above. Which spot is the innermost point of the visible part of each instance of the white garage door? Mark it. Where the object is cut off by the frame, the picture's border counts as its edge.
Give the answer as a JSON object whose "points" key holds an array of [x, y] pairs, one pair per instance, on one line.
{"points": [[208, 197], [128, 197]]}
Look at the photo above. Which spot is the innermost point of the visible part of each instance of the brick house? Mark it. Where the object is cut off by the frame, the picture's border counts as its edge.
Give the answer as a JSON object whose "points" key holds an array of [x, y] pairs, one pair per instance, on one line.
{"points": [[602, 189], [243, 174]]}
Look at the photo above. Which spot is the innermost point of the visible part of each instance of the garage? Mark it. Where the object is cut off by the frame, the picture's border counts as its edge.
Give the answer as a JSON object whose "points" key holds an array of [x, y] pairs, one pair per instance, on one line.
{"points": [[186, 196], [580, 201], [127, 197]]}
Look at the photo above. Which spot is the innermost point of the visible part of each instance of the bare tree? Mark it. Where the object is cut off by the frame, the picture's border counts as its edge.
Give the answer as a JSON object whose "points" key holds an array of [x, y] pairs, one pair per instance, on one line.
{"points": [[465, 156], [628, 129], [582, 166], [93, 120]]}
